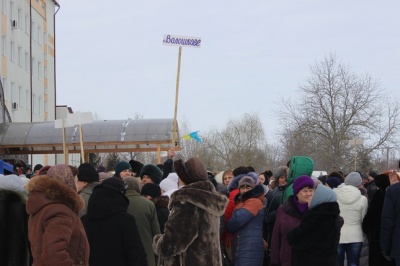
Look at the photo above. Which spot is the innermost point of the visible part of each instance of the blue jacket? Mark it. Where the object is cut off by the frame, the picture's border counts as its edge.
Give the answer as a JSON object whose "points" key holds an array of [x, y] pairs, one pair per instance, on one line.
{"points": [[246, 224]]}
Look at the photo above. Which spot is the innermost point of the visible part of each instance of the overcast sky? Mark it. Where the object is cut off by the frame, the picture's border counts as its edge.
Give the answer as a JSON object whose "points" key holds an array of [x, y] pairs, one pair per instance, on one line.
{"points": [[111, 60]]}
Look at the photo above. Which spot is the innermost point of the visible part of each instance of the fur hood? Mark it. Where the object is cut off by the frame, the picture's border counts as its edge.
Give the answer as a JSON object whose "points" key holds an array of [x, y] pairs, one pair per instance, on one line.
{"points": [[256, 192], [47, 191], [201, 194]]}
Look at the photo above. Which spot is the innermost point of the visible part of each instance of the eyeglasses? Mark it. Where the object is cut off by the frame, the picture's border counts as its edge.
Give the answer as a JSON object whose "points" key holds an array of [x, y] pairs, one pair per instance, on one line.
{"points": [[246, 187]]}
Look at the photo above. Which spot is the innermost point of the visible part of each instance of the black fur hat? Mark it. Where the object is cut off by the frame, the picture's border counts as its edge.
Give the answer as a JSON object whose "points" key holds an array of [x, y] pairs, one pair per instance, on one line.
{"points": [[153, 172]]}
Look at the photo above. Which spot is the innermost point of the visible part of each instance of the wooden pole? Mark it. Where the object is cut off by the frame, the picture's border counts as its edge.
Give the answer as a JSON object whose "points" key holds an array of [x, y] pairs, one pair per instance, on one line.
{"points": [[355, 155], [174, 130], [158, 153], [64, 143], [81, 140]]}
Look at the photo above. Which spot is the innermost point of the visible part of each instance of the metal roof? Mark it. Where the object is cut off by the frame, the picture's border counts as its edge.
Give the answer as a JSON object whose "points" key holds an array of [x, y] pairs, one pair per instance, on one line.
{"points": [[132, 135]]}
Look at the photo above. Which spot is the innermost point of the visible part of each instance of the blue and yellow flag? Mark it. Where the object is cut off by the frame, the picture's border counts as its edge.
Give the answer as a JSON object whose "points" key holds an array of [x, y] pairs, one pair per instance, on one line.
{"points": [[194, 136]]}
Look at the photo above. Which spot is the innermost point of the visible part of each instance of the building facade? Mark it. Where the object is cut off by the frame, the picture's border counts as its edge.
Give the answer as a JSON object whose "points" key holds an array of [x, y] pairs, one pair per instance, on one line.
{"points": [[27, 66]]}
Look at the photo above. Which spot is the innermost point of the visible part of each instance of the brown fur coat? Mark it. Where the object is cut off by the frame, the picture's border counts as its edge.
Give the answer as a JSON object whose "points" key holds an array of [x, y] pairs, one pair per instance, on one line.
{"points": [[192, 230], [55, 230]]}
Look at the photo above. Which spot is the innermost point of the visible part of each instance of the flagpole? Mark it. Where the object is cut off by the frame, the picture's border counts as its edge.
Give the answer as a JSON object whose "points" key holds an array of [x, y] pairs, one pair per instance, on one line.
{"points": [[174, 130]]}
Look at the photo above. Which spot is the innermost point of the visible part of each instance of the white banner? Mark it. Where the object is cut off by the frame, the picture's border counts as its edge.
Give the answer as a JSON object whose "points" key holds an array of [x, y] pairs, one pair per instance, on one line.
{"points": [[183, 41], [74, 119]]}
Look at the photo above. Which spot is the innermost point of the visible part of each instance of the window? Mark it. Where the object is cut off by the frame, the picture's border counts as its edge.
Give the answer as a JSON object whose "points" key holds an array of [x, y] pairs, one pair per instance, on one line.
{"points": [[34, 66], [34, 33], [27, 24], [39, 70], [19, 17], [4, 45], [12, 51], [20, 102], [27, 61], [40, 103], [3, 6], [11, 10], [40, 36], [27, 99], [45, 72], [20, 61], [34, 107], [13, 96]]}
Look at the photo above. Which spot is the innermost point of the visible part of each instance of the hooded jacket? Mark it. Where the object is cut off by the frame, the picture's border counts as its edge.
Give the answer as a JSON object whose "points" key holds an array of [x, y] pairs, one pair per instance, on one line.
{"points": [[247, 225], [191, 235], [299, 165], [55, 231], [112, 232], [353, 207]]}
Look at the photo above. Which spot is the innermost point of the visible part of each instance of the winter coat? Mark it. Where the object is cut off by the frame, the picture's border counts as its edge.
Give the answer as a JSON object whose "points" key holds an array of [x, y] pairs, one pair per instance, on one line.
{"points": [[161, 204], [233, 191], [314, 242], [299, 165], [113, 235], [287, 218], [246, 224], [85, 194], [231, 205], [273, 203], [353, 207], [14, 244], [390, 223], [371, 226], [371, 189], [145, 215], [55, 231], [191, 233]]}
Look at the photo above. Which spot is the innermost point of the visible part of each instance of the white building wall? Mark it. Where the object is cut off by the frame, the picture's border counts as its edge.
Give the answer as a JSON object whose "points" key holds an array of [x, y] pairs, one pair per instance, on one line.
{"points": [[27, 48]]}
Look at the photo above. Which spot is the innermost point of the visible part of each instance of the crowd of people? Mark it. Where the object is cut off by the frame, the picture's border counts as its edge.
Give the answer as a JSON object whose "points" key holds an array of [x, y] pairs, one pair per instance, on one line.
{"points": [[178, 213]]}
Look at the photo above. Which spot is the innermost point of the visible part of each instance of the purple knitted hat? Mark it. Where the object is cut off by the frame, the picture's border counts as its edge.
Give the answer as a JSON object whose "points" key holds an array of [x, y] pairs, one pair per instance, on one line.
{"points": [[302, 182]]}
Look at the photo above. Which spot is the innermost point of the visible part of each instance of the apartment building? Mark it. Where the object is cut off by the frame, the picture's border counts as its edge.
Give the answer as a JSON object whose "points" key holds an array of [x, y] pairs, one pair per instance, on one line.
{"points": [[27, 68]]}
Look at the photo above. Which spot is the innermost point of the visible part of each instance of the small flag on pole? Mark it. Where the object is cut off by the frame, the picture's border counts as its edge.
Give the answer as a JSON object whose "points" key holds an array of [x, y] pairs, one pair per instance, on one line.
{"points": [[194, 136]]}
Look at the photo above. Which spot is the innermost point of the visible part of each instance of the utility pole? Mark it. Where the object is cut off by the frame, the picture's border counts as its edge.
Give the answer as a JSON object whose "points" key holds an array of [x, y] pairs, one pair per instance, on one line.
{"points": [[355, 142]]}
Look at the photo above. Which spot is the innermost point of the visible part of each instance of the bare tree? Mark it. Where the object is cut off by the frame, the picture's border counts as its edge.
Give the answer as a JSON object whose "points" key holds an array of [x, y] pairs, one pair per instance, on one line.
{"points": [[335, 106], [242, 142]]}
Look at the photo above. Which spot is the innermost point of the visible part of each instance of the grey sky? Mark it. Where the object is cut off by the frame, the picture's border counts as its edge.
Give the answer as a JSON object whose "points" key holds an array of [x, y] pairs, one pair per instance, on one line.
{"points": [[111, 61]]}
